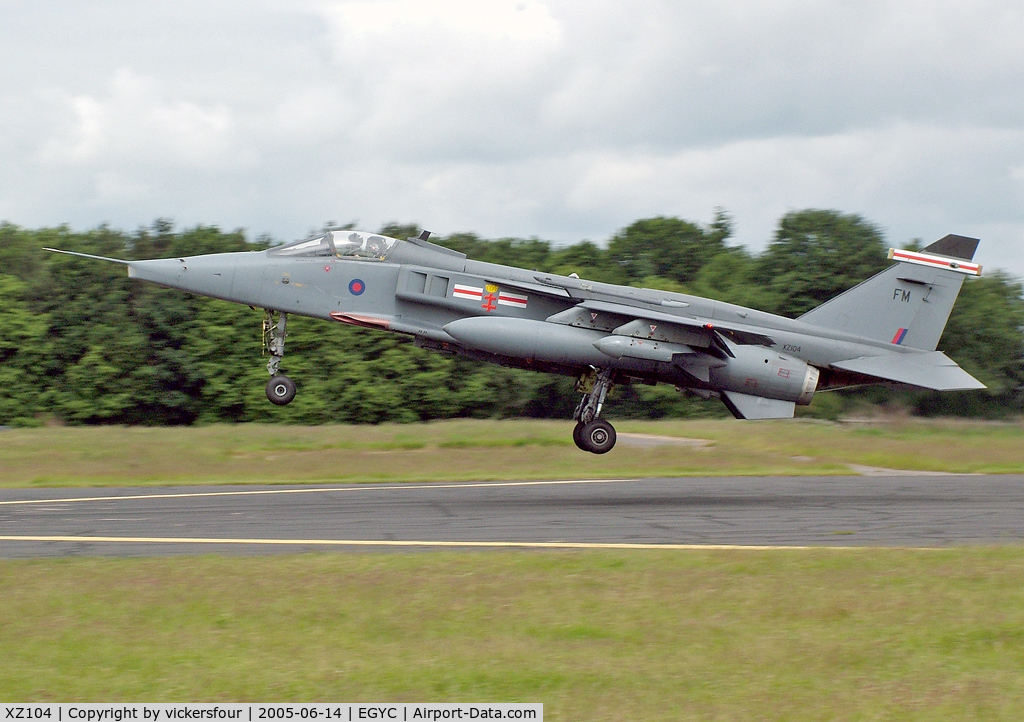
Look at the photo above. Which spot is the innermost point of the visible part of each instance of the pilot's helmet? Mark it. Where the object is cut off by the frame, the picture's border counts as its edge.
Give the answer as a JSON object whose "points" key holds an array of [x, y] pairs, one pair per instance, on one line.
{"points": [[346, 243]]}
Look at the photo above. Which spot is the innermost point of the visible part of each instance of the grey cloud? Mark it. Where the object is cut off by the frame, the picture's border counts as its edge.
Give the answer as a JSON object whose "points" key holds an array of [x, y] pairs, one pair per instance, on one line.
{"points": [[558, 119]]}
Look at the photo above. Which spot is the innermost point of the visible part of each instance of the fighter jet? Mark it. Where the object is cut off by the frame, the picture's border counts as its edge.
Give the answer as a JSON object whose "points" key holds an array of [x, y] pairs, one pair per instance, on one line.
{"points": [[760, 365]]}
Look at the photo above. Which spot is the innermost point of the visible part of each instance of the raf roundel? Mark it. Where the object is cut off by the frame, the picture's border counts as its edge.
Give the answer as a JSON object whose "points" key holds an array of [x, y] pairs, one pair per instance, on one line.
{"points": [[356, 287]]}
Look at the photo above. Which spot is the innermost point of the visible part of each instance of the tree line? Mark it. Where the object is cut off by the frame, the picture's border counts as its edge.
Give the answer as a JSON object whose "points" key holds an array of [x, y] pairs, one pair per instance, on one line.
{"points": [[82, 344]]}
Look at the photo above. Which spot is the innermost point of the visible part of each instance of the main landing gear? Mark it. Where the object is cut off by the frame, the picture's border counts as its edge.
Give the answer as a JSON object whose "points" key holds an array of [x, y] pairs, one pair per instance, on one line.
{"points": [[593, 433], [280, 388]]}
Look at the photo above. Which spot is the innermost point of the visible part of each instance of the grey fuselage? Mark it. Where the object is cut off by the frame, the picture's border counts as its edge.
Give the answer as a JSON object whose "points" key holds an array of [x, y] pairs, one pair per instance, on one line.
{"points": [[550, 322]]}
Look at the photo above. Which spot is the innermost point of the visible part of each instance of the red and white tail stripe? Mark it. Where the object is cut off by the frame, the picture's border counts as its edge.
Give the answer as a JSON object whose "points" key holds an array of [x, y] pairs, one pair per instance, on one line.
{"points": [[470, 293], [927, 259]]}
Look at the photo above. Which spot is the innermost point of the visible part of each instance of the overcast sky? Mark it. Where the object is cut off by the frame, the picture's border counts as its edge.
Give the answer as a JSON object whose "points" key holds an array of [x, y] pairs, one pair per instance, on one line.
{"points": [[559, 119]]}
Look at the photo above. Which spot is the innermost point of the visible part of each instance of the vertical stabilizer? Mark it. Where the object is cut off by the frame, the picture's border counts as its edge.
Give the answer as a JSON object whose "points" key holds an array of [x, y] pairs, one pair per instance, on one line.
{"points": [[907, 304]]}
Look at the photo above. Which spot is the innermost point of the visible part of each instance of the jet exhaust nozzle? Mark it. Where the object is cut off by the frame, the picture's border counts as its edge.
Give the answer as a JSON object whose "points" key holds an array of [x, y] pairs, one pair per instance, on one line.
{"points": [[760, 371]]}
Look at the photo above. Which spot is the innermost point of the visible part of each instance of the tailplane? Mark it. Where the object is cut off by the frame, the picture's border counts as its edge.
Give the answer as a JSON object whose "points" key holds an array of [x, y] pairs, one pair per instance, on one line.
{"points": [[907, 304]]}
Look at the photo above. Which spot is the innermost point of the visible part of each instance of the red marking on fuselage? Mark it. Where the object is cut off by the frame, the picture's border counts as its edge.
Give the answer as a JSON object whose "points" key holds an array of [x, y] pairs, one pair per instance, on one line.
{"points": [[359, 319], [490, 305]]}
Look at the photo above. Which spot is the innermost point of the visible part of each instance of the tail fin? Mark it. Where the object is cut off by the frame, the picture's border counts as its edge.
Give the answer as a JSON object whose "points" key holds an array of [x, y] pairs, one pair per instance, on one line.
{"points": [[908, 303]]}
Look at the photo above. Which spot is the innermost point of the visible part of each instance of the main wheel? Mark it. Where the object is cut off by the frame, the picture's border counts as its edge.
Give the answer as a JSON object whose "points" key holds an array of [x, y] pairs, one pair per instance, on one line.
{"points": [[597, 437], [280, 390]]}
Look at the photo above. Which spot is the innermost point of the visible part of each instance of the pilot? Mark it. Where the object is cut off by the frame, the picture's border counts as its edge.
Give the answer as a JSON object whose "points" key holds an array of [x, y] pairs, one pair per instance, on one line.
{"points": [[348, 246]]}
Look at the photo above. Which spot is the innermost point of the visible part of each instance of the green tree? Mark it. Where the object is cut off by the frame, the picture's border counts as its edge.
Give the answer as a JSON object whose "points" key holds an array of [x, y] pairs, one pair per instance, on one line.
{"points": [[586, 260], [815, 255], [984, 335], [82, 342], [667, 247], [22, 343], [731, 276], [530, 253], [401, 231]]}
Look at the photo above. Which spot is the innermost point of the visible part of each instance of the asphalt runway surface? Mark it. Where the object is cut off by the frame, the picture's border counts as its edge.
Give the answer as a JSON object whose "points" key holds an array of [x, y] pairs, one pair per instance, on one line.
{"points": [[836, 511]]}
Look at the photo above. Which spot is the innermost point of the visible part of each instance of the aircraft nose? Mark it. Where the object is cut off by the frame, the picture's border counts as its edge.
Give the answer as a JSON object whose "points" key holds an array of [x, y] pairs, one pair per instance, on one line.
{"points": [[164, 271], [211, 275]]}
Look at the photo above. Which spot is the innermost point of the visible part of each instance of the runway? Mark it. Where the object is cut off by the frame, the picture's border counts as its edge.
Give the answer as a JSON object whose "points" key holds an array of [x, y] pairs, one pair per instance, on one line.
{"points": [[677, 513]]}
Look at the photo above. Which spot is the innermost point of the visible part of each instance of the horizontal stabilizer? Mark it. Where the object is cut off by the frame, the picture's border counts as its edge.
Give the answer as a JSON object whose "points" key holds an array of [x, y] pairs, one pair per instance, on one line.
{"points": [[932, 370], [745, 406]]}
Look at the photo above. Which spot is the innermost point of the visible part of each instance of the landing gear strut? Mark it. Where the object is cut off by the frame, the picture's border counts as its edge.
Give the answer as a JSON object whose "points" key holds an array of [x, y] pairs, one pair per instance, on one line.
{"points": [[280, 388], [593, 433]]}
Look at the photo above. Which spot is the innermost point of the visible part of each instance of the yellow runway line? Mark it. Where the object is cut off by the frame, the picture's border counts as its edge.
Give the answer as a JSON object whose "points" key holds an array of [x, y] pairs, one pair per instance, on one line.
{"points": [[455, 544]]}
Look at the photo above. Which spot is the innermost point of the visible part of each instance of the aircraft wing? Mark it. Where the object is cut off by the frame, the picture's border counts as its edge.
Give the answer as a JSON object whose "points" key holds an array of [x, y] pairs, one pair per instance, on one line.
{"points": [[734, 332], [737, 333], [929, 370]]}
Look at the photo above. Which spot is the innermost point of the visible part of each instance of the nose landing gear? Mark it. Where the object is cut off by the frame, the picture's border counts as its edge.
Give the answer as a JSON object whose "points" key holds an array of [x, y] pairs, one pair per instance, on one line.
{"points": [[280, 388], [593, 433]]}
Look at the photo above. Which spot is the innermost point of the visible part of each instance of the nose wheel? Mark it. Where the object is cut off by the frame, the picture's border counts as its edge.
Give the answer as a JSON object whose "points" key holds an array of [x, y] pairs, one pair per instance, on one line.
{"points": [[593, 433], [280, 388]]}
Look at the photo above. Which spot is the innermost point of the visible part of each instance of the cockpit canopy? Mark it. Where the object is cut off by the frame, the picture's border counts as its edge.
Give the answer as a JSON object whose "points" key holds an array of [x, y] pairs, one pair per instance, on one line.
{"points": [[342, 244]]}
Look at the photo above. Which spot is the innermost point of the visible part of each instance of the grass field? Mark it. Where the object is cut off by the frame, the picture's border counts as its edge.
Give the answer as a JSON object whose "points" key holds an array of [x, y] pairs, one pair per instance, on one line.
{"points": [[483, 450], [669, 635], [826, 634]]}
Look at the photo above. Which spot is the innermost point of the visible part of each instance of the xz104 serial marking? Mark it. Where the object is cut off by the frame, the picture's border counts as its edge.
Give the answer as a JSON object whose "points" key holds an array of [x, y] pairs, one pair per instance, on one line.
{"points": [[28, 713]]}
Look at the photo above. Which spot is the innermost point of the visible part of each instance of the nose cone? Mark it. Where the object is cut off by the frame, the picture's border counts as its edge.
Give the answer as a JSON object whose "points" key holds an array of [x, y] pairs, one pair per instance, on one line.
{"points": [[230, 276], [164, 271]]}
